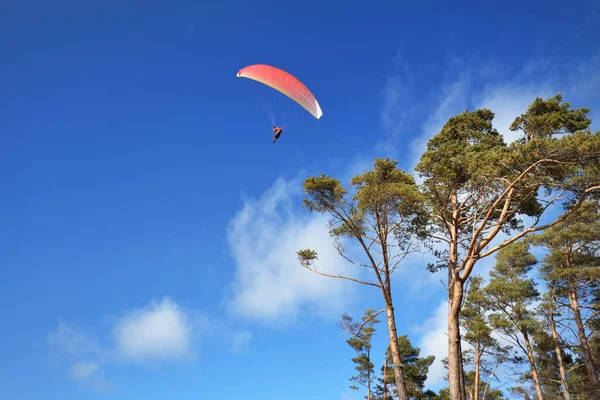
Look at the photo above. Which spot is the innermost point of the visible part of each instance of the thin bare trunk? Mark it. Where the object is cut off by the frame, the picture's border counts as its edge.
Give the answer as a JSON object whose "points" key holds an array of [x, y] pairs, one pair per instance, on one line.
{"points": [[561, 366], [585, 347], [369, 377], [396, 356], [476, 382], [455, 373], [534, 373], [490, 380], [461, 370], [385, 378]]}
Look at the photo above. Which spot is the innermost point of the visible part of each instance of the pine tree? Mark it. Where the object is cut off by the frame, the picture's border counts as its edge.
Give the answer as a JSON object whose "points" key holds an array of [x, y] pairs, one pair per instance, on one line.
{"points": [[572, 269], [383, 217], [551, 358], [478, 187], [511, 294], [486, 354], [360, 342], [416, 370]]}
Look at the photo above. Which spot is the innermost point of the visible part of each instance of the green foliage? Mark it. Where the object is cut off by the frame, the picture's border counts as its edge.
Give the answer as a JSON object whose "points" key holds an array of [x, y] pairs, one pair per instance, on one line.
{"points": [[444, 394], [490, 393], [546, 118], [386, 203], [416, 367], [577, 382], [386, 190], [326, 193], [571, 269], [511, 293], [464, 152], [416, 370], [474, 180], [594, 326], [473, 316], [478, 333], [431, 395], [573, 245]]}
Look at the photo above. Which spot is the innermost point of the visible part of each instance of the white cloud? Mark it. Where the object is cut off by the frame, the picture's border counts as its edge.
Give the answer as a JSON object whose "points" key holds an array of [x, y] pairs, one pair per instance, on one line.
{"points": [[160, 331], [435, 342], [240, 341], [269, 283]]}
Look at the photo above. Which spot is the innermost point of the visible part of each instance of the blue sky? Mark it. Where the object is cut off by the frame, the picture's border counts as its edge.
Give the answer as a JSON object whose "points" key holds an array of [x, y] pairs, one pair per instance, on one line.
{"points": [[149, 226]]}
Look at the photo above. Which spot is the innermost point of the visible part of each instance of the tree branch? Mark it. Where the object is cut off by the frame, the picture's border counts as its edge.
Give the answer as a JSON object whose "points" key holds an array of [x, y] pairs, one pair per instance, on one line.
{"points": [[361, 326], [591, 318], [305, 265], [532, 228]]}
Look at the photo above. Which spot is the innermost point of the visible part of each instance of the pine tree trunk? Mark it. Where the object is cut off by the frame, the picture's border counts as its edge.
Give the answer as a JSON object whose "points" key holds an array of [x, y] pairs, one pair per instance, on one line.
{"points": [[463, 380], [456, 378], [534, 373], [585, 347], [558, 351], [455, 368], [476, 382], [385, 378], [396, 356], [369, 377]]}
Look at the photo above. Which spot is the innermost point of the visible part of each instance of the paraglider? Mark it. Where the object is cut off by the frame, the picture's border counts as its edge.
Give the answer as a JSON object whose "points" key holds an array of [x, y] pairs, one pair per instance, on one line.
{"points": [[285, 83], [278, 131]]}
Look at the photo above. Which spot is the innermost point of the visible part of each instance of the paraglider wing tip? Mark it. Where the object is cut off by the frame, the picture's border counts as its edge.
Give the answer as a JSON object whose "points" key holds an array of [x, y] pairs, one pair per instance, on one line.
{"points": [[319, 111]]}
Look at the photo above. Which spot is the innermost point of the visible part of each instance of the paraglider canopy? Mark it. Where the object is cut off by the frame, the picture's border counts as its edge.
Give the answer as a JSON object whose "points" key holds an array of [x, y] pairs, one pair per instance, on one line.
{"points": [[285, 83]]}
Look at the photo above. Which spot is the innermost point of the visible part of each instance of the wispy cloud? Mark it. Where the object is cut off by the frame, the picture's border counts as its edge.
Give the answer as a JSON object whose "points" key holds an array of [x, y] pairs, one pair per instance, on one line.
{"points": [[73, 342], [453, 100], [82, 355], [269, 283], [240, 341], [399, 106], [396, 96], [83, 370]]}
